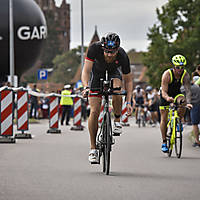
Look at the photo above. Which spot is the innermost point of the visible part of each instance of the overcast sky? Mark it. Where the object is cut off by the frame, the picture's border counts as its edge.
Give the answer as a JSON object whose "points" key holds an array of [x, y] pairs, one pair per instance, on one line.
{"points": [[128, 18]]}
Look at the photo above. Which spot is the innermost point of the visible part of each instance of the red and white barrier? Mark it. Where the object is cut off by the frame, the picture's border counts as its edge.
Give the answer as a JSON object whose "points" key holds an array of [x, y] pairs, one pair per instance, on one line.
{"points": [[22, 114], [22, 110], [77, 114], [6, 112], [6, 116], [124, 117], [54, 115], [100, 119]]}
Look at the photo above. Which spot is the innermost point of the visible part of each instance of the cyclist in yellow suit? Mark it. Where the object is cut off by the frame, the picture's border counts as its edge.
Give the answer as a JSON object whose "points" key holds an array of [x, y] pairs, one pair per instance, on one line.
{"points": [[172, 79]]}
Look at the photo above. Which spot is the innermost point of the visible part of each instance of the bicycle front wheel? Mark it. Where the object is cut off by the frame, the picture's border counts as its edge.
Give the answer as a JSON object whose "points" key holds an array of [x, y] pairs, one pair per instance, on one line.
{"points": [[178, 138], [107, 138], [108, 143], [169, 134]]}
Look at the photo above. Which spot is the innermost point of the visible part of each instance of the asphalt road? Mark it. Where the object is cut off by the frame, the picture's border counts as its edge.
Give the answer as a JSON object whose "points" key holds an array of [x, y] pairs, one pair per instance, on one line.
{"points": [[55, 167]]}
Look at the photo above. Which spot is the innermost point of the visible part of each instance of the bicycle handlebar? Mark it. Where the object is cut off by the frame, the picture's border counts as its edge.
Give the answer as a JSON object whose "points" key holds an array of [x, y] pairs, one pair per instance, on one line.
{"points": [[109, 92]]}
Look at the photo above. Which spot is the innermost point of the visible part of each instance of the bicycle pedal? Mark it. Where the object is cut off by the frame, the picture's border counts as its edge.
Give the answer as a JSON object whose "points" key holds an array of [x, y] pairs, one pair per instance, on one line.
{"points": [[116, 134], [95, 163]]}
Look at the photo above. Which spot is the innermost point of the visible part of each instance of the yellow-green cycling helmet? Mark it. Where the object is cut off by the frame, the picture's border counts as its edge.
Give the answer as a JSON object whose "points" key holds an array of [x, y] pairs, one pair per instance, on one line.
{"points": [[179, 60]]}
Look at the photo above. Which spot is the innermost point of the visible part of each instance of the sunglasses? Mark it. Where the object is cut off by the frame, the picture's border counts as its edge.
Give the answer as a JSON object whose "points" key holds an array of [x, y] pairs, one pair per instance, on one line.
{"points": [[179, 67], [110, 51]]}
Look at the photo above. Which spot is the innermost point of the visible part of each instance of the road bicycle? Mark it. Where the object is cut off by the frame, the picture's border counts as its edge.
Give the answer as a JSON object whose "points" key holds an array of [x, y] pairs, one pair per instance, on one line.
{"points": [[175, 129], [105, 138], [141, 117]]}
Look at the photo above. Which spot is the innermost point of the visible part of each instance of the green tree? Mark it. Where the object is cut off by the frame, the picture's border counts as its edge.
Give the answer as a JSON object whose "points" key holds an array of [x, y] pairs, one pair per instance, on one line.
{"points": [[178, 32], [65, 66]]}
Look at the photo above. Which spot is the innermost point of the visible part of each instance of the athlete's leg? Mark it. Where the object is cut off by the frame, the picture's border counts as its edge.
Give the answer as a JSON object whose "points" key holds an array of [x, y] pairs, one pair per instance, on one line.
{"points": [[136, 113], [163, 123], [117, 100], [196, 133], [95, 106], [154, 116]]}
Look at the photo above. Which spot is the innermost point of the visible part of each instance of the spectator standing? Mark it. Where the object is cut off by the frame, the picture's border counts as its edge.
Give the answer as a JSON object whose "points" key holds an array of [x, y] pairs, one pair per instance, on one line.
{"points": [[45, 107], [198, 70], [195, 111], [197, 73], [34, 103], [66, 103]]}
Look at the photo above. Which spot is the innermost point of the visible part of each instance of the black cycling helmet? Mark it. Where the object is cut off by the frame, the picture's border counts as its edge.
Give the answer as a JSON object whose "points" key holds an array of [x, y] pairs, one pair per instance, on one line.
{"points": [[110, 41]]}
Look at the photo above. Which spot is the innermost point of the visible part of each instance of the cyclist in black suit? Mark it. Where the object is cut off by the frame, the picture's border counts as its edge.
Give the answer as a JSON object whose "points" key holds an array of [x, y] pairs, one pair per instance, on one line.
{"points": [[102, 56]]}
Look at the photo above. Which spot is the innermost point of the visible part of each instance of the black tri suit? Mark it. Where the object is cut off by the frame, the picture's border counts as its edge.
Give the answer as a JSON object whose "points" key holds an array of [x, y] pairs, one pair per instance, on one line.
{"points": [[173, 87], [120, 65]]}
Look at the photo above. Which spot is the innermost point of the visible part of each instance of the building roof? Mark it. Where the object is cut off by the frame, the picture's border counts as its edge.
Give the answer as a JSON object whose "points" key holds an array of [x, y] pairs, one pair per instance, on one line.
{"points": [[138, 68], [135, 57]]}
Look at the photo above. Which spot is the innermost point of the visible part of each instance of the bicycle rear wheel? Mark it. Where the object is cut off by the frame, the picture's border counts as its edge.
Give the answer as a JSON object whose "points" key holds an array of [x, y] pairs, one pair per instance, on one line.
{"points": [[178, 138], [107, 146], [104, 160], [143, 121]]}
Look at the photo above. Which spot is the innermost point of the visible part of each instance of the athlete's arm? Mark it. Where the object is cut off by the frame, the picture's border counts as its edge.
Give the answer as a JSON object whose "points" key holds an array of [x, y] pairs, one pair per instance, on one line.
{"points": [[86, 72], [144, 96], [133, 98], [164, 84], [128, 83], [86, 75], [186, 83]]}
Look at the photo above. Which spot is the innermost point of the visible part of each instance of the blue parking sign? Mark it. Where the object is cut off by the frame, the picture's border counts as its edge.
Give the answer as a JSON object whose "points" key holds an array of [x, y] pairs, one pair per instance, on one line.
{"points": [[42, 74]]}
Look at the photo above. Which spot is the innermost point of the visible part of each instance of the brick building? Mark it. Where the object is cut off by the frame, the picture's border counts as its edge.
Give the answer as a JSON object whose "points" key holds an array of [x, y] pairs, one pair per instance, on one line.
{"points": [[62, 17]]}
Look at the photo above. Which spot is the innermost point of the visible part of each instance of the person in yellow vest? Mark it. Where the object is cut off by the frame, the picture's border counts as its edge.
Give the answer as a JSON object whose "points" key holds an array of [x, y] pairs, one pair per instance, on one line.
{"points": [[66, 103]]}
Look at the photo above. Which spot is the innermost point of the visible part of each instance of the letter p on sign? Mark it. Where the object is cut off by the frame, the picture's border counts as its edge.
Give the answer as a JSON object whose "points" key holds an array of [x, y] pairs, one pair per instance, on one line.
{"points": [[42, 74]]}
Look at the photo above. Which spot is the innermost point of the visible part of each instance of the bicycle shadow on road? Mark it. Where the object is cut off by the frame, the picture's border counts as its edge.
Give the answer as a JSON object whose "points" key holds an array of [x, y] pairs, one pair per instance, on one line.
{"points": [[150, 175], [182, 158], [190, 158]]}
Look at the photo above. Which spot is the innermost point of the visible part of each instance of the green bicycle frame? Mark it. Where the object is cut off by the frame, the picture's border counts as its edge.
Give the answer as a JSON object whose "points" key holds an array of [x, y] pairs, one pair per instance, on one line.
{"points": [[173, 115]]}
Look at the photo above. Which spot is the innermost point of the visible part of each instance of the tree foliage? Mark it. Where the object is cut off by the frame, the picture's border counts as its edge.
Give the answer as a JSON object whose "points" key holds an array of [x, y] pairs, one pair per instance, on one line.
{"points": [[65, 66], [178, 32]]}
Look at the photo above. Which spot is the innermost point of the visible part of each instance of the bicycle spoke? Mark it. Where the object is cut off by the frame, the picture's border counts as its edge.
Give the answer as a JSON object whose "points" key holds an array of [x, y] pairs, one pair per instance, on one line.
{"points": [[108, 143], [178, 139], [169, 143]]}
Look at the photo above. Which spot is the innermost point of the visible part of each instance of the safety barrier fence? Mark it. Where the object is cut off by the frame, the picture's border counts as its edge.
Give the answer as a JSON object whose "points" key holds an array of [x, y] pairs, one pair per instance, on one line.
{"points": [[7, 102], [7, 98], [22, 114], [54, 115], [77, 114], [6, 115], [124, 116]]}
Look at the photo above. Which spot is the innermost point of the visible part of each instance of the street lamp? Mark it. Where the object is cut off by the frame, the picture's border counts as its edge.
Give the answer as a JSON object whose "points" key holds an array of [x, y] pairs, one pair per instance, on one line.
{"points": [[11, 29], [82, 36]]}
